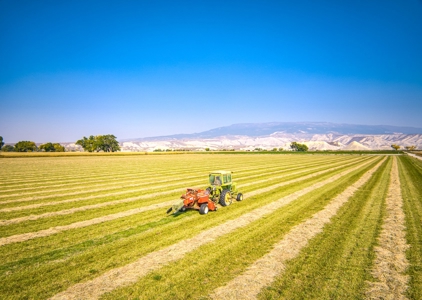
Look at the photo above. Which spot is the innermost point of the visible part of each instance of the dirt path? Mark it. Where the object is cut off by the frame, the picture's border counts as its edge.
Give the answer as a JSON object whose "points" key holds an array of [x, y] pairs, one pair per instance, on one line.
{"points": [[130, 273], [390, 262], [153, 206], [264, 270]]}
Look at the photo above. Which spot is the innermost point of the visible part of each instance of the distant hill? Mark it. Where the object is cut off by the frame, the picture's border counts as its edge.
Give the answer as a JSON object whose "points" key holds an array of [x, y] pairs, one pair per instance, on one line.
{"points": [[249, 136], [309, 128], [317, 135]]}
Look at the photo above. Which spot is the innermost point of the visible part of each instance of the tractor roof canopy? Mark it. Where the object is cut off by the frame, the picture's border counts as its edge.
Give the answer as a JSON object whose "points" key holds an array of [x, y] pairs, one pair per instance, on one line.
{"points": [[220, 177]]}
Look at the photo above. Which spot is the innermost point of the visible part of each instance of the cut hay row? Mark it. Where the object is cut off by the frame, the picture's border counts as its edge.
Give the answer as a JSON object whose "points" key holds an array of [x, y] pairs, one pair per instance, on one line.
{"points": [[152, 176], [114, 171], [132, 272], [391, 262], [262, 272], [153, 199], [93, 176], [339, 259], [84, 247], [410, 171], [141, 174], [153, 182], [305, 169], [54, 230], [101, 234]]}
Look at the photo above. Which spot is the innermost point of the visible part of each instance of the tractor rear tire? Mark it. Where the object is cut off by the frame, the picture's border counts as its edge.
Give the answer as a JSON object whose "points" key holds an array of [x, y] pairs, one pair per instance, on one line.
{"points": [[225, 198], [203, 210], [239, 197]]}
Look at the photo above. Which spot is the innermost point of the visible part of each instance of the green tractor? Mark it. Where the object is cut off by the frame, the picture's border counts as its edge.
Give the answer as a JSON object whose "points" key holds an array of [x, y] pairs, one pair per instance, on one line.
{"points": [[222, 189]]}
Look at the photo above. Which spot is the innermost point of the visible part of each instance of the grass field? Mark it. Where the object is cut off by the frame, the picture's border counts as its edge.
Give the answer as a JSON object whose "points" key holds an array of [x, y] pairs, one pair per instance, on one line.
{"points": [[310, 227]]}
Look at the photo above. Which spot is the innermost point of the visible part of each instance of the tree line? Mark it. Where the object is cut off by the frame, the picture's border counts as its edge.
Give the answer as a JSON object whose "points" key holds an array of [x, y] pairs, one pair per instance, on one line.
{"points": [[29, 146], [106, 143]]}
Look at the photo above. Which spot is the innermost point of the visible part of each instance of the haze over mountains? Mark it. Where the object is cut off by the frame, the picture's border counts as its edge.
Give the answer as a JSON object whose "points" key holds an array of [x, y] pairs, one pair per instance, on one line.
{"points": [[249, 136]]}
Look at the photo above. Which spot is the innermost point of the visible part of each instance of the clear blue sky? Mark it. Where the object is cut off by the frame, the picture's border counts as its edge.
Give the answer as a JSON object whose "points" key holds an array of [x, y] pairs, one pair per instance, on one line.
{"points": [[145, 68]]}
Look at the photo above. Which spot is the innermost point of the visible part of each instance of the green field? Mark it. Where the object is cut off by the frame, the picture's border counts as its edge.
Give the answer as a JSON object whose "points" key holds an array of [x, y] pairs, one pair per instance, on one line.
{"points": [[87, 227]]}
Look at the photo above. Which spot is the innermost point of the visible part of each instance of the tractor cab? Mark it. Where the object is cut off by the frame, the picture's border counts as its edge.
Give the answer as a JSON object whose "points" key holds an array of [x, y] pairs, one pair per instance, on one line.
{"points": [[220, 178]]}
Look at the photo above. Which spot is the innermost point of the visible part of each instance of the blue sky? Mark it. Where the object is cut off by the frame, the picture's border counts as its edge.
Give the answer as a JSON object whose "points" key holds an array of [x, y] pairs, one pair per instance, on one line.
{"points": [[145, 68]]}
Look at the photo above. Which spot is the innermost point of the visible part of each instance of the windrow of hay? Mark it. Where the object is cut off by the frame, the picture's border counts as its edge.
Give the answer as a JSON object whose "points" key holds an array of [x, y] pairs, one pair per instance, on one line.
{"points": [[264, 270], [149, 187], [132, 199], [53, 230], [130, 273], [140, 180], [391, 262], [137, 177]]}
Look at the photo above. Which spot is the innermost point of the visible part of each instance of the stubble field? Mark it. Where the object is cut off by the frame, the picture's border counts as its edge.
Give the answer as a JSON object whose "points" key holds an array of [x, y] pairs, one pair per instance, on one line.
{"points": [[310, 227]]}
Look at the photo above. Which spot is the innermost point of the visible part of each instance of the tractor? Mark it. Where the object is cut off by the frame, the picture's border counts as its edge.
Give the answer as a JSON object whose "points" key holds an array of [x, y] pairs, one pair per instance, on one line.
{"points": [[221, 190]]}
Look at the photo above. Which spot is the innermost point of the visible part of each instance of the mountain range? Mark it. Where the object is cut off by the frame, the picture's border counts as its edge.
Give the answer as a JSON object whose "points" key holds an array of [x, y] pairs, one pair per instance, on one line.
{"points": [[249, 136]]}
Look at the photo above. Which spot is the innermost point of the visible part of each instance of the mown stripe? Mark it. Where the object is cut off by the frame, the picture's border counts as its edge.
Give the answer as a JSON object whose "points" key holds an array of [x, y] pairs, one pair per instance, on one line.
{"points": [[132, 272], [263, 271]]}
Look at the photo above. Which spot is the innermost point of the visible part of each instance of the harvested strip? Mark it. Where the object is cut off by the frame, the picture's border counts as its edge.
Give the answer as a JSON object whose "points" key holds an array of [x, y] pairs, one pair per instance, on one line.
{"points": [[130, 273], [115, 193], [390, 261], [127, 183], [34, 217], [47, 232], [264, 270], [132, 199]]}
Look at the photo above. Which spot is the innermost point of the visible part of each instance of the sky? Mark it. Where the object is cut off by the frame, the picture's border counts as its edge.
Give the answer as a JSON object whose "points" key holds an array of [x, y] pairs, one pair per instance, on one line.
{"points": [[135, 69]]}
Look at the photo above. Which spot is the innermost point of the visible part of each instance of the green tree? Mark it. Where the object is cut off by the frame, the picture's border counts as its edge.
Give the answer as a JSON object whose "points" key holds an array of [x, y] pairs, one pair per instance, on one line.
{"points": [[107, 143], [88, 144], [298, 147], [1, 142], [50, 147], [395, 147], [8, 148], [47, 147], [410, 148], [58, 147], [25, 146]]}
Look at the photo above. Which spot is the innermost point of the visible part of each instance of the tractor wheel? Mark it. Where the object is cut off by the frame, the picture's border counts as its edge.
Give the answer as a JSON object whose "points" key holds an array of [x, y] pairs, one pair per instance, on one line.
{"points": [[225, 198], [203, 210], [239, 197]]}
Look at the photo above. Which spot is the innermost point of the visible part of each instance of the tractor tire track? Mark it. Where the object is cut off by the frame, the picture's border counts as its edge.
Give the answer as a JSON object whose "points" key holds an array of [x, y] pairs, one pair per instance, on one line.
{"points": [[132, 272], [147, 196], [391, 262], [263, 272]]}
